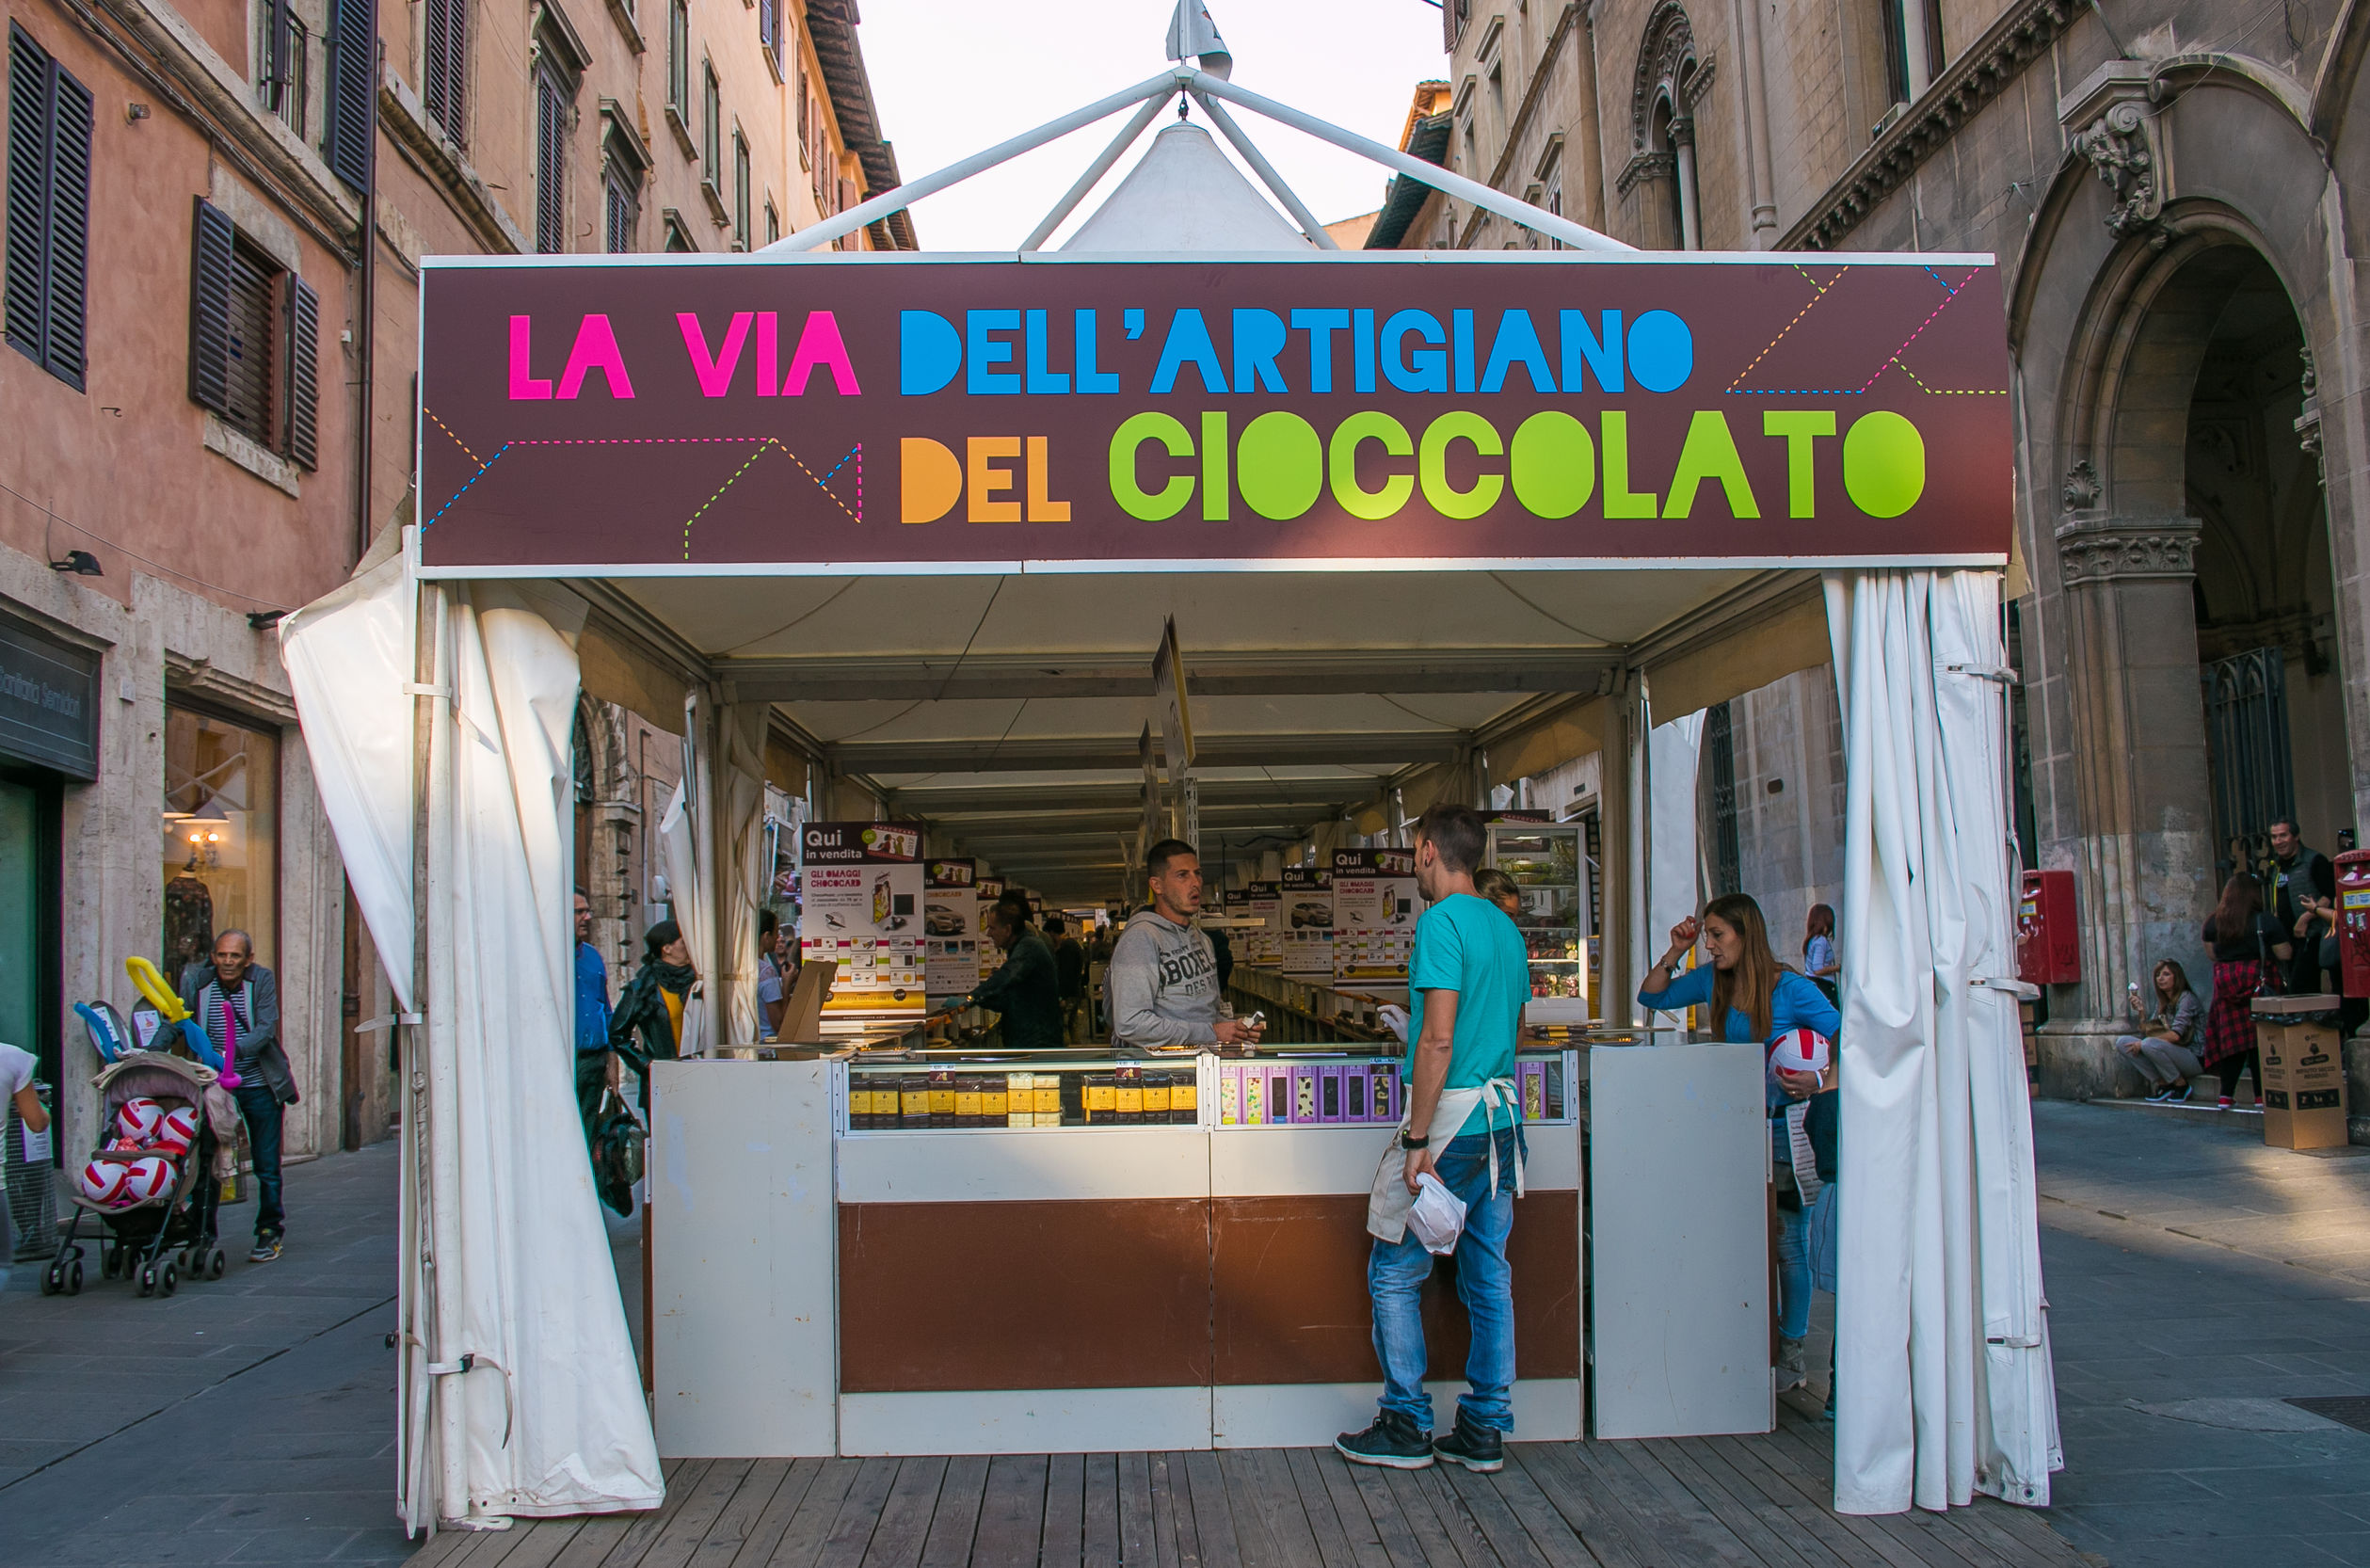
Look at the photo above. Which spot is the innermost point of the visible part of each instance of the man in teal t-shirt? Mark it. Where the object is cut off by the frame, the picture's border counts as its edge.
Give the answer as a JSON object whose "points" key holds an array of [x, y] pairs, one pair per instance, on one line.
{"points": [[1468, 982]]}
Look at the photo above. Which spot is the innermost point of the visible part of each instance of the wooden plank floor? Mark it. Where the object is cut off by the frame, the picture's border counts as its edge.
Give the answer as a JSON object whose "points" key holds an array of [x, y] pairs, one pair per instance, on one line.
{"points": [[1718, 1502]]}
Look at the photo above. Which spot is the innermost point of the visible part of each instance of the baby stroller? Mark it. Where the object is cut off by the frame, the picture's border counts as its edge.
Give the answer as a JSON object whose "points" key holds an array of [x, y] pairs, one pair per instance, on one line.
{"points": [[160, 1208]]}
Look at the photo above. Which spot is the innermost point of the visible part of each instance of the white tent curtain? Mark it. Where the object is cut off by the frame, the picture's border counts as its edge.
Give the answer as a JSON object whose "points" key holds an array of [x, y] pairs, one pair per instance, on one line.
{"points": [[519, 1391], [1945, 1386], [349, 655], [1671, 889]]}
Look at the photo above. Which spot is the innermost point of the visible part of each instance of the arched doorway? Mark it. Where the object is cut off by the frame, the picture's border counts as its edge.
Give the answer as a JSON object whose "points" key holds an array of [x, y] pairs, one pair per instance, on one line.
{"points": [[2193, 553], [2266, 606]]}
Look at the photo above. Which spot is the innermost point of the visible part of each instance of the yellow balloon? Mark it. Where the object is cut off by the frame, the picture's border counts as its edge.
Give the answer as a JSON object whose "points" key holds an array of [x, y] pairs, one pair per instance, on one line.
{"points": [[151, 984]]}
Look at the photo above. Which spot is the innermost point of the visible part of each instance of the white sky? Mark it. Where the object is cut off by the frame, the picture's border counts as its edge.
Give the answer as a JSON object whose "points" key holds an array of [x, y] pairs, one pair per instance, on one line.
{"points": [[953, 77]]}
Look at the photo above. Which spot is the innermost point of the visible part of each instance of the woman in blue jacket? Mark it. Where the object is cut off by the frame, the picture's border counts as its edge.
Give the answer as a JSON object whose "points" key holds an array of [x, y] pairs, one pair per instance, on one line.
{"points": [[1751, 997]]}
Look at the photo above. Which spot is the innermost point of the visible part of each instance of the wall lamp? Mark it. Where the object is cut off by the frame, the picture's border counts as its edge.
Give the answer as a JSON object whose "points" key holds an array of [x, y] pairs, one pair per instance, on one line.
{"points": [[80, 561], [263, 620]]}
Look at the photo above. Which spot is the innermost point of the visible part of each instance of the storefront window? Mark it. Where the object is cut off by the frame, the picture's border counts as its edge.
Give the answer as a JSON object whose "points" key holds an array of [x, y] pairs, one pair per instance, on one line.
{"points": [[221, 837]]}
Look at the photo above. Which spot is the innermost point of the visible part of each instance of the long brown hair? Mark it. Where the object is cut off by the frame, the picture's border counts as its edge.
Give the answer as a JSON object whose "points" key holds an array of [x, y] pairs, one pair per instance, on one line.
{"points": [[2242, 900], [1748, 987], [1822, 924]]}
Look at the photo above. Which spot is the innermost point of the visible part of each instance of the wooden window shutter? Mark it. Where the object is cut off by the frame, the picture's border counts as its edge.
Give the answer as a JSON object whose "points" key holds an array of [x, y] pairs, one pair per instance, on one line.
{"points": [[446, 69], [49, 210], [304, 373], [27, 260], [68, 227], [210, 310], [551, 162], [353, 44]]}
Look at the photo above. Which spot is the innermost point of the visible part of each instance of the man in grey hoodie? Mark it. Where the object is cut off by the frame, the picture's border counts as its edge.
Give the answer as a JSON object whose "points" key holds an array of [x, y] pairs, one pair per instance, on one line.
{"points": [[1163, 977]]}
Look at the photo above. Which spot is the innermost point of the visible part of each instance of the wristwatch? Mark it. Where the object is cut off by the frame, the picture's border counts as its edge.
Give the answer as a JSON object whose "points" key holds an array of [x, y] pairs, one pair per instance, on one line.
{"points": [[1407, 1143]]}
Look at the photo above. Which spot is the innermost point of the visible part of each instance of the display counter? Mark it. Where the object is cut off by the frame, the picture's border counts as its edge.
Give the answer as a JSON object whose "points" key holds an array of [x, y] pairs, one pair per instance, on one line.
{"points": [[876, 1254]]}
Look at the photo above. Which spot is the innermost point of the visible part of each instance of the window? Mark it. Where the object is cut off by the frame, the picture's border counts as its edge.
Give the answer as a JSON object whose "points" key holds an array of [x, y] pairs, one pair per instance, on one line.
{"points": [[254, 341], [283, 55], [446, 70], [679, 59], [552, 109], [1454, 15], [625, 163], [49, 210], [805, 118], [769, 33], [773, 222], [740, 190], [221, 837], [711, 128], [679, 232], [620, 213]]}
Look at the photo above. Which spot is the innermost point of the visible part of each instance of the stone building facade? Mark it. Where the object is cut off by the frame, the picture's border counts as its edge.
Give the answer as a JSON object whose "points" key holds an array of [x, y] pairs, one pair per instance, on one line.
{"points": [[2171, 187], [205, 419]]}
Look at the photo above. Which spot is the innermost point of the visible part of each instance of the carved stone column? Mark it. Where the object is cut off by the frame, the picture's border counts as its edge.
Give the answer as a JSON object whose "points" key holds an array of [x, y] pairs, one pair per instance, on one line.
{"points": [[2143, 851]]}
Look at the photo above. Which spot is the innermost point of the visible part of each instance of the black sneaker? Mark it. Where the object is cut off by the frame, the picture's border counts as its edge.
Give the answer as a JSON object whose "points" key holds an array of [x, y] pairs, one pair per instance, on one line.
{"points": [[1476, 1447], [2179, 1096], [1392, 1441], [266, 1248]]}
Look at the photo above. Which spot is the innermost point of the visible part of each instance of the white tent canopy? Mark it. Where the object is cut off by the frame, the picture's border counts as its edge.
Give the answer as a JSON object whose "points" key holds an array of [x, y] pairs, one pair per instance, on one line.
{"points": [[520, 1394]]}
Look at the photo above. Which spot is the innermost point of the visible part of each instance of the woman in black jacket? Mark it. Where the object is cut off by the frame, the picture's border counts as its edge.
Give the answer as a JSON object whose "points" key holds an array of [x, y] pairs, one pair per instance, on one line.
{"points": [[653, 1003]]}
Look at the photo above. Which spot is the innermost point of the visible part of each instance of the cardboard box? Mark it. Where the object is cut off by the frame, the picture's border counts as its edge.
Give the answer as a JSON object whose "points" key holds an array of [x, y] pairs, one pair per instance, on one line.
{"points": [[2304, 1073]]}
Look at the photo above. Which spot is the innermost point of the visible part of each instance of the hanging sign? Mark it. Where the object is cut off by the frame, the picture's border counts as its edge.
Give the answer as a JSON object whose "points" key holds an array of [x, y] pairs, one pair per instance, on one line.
{"points": [[951, 926], [679, 414], [861, 907]]}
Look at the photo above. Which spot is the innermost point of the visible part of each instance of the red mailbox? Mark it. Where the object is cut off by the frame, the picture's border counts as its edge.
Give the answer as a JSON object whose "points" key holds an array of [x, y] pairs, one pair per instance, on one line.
{"points": [[2048, 948], [2353, 922]]}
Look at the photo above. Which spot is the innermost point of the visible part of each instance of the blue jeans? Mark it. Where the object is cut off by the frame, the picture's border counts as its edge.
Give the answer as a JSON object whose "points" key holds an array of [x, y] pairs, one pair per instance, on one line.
{"points": [[1794, 1275], [263, 1111], [1394, 1275]]}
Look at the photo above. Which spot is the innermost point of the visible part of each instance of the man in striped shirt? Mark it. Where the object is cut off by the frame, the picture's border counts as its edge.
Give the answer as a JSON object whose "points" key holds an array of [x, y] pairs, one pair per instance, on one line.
{"points": [[236, 1000]]}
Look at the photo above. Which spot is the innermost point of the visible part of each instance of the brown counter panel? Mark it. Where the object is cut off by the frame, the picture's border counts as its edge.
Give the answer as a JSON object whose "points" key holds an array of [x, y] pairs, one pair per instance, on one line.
{"points": [[1081, 1293], [1291, 1301]]}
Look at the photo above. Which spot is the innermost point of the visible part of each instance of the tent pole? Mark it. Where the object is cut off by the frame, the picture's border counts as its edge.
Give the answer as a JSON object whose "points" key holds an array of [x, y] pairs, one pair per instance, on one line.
{"points": [[818, 236], [1471, 191], [1094, 171], [444, 1157], [1266, 172]]}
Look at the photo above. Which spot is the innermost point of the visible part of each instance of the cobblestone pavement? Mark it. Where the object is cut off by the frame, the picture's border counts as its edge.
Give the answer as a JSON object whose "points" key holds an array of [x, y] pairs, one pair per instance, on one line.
{"points": [[2197, 1281], [250, 1419]]}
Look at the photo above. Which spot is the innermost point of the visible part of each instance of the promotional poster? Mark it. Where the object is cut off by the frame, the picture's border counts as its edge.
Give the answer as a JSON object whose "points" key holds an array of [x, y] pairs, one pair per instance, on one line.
{"points": [[950, 925], [862, 886], [1306, 915], [1374, 908]]}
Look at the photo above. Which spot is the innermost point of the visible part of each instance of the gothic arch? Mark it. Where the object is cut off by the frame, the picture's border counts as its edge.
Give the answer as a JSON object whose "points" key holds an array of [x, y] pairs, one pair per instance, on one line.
{"points": [[1669, 72]]}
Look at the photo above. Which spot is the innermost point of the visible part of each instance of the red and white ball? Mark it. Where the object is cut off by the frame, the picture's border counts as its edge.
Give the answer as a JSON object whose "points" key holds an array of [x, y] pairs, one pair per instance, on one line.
{"points": [[137, 1119], [146, 1179], [176, 1130], [1800, 1050], [102, 1182]]}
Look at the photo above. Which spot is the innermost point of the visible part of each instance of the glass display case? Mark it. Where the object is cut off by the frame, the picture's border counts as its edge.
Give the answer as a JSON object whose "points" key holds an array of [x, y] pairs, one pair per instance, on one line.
{"points": [[940, 1090], [1550, 864]]}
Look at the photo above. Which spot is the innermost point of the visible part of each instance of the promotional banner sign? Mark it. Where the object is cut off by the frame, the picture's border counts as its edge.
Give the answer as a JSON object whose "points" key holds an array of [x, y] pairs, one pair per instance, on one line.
{"points": [[1374, 908], [950, 923], [645, 415], [862, 886], [1306, 917]]}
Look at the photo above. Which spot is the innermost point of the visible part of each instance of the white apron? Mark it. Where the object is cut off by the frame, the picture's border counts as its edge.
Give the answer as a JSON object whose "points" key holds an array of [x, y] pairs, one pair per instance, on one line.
{"points": [[1386, 1206]]}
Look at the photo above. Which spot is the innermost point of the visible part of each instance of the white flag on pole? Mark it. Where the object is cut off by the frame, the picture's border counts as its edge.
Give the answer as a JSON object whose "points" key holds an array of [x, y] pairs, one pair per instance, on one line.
{"points": [[1193, 36]]}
